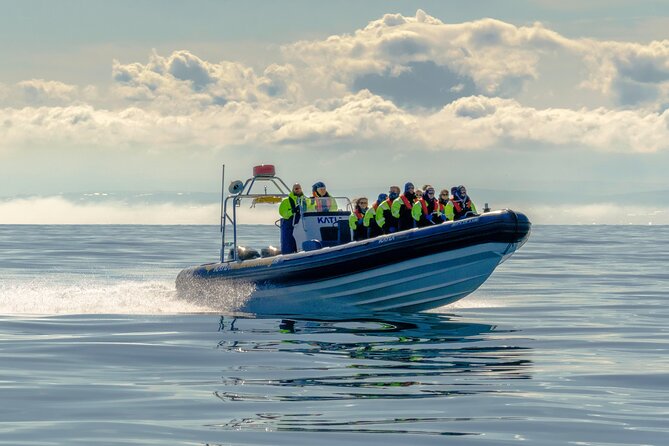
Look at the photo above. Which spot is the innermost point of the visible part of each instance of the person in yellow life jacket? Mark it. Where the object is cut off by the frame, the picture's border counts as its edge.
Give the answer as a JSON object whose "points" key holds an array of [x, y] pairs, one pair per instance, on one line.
{"points": [[356, 219], [443, 203], [384, 216], [369, 221], [321, 201], [460, 206], [426, 209], [289, 210], [401, 208]]}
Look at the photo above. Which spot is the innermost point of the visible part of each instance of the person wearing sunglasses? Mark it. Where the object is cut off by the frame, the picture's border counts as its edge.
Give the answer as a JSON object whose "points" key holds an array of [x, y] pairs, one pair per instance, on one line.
{"points": [[444, 200], [356, 219], [426, 209]]}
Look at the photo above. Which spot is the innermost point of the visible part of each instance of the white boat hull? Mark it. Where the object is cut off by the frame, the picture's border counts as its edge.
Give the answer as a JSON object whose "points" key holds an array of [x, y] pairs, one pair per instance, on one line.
{"points": [[413, 270]]}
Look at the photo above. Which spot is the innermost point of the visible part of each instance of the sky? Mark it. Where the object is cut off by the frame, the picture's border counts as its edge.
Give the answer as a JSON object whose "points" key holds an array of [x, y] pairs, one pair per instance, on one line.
{"points": [[125, 111]]}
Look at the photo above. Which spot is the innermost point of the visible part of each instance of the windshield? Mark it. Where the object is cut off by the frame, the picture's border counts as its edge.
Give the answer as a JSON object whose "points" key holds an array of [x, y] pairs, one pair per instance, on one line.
{"points": [[324, 204]]}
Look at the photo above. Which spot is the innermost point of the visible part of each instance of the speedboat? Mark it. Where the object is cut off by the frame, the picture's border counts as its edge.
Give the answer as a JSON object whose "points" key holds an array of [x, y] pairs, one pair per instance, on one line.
{"points": [[413, 270]]}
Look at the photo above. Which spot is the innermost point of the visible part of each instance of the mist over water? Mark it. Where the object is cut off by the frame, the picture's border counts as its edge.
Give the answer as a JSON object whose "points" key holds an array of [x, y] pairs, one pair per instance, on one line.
{"points": [[161, 208]]}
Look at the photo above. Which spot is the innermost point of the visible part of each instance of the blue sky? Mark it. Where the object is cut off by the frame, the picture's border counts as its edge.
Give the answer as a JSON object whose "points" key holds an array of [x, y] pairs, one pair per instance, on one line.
{"points": [[555, 108]]}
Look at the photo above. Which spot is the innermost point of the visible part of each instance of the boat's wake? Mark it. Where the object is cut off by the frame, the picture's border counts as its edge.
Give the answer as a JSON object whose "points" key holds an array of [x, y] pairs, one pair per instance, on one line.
{"points": [[93, 296]]}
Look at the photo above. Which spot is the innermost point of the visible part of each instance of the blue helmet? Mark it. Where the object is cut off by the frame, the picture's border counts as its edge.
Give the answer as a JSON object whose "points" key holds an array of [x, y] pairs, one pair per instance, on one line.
{"points": [[317, 185], [381, 198]]}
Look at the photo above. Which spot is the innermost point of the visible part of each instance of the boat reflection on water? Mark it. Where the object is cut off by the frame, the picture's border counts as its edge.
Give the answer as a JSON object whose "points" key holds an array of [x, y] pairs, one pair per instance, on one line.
{"points": [[392, 373]]}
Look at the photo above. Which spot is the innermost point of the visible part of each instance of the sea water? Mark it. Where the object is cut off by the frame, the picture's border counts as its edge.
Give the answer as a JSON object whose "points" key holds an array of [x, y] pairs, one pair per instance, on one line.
{"points": [[566, 343]]}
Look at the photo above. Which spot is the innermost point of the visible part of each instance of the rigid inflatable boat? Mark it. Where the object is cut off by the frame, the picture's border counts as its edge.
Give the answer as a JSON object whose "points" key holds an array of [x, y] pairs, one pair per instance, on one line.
{"points": [[413, 270]]}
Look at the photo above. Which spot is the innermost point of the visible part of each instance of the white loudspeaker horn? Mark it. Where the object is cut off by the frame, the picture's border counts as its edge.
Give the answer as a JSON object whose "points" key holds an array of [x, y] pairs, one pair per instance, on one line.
{"points": [[236, 187]]}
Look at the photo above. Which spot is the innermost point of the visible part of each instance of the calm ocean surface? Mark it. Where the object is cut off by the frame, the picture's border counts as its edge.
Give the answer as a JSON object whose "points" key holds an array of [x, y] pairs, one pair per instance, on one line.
{"points": [[567, 343]]}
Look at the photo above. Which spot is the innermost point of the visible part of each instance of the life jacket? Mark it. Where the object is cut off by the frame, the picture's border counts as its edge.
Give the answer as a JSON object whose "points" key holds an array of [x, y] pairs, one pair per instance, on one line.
{"points": [[373, 226], [459, 209], [293, 206], [389, 220], [405, 220], [423, 203], [322, 204], [296, 210], [360, 231]]}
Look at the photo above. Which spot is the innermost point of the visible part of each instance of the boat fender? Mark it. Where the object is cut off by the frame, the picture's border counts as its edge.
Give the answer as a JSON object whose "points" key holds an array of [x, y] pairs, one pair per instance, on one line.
{"points": [[311, 245], [270, 251], [244, 253]]}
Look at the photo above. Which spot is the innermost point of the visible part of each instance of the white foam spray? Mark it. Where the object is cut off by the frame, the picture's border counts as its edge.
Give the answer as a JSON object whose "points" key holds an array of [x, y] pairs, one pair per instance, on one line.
{"points": [[44, 297]]}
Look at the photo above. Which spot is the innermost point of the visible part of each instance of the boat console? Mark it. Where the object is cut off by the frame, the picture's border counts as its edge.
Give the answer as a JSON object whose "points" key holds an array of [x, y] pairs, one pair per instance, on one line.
{"points": [[326, 228], [323, 221]]}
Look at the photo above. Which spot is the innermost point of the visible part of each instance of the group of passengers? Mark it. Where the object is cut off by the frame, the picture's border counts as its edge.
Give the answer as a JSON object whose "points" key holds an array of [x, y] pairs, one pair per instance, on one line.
{"points": [[390, 212], [413, 208]]}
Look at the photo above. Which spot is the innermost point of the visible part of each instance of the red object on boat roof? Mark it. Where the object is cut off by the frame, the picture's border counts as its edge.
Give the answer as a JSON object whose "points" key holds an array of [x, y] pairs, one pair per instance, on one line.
{"points": [[264, 170]]}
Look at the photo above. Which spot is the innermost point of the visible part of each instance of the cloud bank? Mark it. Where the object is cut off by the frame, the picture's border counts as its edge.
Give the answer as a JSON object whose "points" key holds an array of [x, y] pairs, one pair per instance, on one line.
{"points": [[399, 82]]}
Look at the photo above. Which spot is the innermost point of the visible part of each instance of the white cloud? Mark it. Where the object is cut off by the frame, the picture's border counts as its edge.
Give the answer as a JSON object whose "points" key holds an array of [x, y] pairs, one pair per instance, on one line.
{"points": [[495, 120], [356, 88], [497, 56], [635, 74], [501, 59], [469, 123], [182, 82], [37, 92]]}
